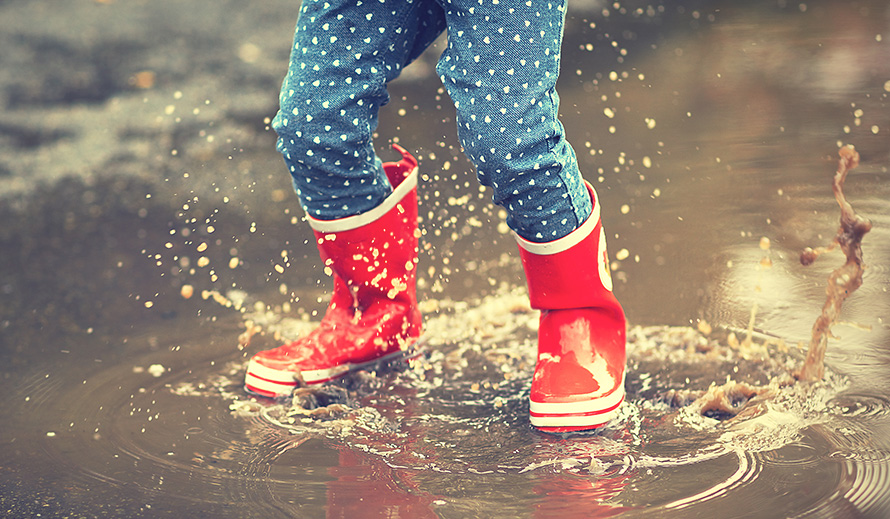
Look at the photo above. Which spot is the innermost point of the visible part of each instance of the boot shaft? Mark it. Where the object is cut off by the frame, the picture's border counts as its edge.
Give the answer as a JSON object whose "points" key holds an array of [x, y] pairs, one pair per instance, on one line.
{"points": [[579, 374], [572, 272], [374, 254]]}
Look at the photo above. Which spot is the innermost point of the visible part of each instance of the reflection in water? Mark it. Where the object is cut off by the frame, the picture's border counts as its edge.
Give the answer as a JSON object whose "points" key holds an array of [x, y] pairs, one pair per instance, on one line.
{"points": [[423, 431], [368, 487]]}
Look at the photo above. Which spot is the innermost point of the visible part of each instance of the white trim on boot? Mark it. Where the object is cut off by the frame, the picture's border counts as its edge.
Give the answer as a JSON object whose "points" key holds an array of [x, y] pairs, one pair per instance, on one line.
{"points": [[354, 222], [570, 240]]}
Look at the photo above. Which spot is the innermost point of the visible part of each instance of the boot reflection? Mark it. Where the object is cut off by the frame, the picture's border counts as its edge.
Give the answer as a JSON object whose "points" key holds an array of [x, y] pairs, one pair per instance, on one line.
{"points": [[374, 477], [583, 479], [365, 486], [565, 495]]}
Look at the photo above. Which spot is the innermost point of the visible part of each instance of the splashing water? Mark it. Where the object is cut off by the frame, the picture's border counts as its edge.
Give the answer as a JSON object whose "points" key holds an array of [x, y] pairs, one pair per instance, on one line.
{"points": [[846, 278], [474, 381]]}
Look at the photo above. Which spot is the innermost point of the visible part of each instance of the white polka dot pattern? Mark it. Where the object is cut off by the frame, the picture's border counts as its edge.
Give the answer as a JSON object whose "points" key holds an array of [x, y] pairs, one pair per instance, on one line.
{"points": [[500, 68]]}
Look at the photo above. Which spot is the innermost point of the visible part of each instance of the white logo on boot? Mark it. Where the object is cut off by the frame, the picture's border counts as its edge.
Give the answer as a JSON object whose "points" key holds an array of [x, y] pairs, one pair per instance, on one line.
{"points": [[605, 274]]}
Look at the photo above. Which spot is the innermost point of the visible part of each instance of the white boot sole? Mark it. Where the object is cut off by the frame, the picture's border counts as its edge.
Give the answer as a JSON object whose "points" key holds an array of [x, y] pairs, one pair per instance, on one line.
{"points": [[269, 382], [591, 413]]}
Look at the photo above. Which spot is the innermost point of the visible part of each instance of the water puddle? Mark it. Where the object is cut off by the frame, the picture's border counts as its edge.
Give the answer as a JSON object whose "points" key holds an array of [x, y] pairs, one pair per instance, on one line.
{"points": [[449, 434], [461, 412]]}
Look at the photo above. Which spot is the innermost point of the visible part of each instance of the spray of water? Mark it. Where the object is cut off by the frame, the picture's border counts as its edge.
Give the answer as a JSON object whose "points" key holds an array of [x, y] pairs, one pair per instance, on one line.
{"points": [[845, 279]]}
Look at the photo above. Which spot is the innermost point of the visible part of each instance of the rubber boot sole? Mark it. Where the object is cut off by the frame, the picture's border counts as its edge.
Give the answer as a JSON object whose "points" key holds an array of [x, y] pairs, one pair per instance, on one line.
{"points": [[268, 382], [583, 415]]}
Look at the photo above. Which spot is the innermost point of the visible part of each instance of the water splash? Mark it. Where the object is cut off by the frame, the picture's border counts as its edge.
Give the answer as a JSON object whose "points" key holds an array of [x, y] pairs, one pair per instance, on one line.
{"points": [[474, 381], [845, 279]]}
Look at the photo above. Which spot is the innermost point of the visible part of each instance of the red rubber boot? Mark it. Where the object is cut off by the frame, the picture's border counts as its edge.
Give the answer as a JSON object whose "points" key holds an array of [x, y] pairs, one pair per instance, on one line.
{"points": [[373, 317], [579, 376]]}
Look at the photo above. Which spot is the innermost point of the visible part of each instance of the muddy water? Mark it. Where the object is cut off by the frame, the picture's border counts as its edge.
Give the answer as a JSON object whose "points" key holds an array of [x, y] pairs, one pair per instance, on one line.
{"points": [[719, 127]]}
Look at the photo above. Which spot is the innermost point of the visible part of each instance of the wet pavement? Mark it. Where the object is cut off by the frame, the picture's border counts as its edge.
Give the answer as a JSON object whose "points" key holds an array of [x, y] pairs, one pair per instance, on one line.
{"points": [[135, 159]]}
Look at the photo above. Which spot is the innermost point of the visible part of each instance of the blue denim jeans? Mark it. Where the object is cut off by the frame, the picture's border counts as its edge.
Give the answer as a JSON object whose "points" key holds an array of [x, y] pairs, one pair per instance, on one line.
{"points": [[500, 68]]}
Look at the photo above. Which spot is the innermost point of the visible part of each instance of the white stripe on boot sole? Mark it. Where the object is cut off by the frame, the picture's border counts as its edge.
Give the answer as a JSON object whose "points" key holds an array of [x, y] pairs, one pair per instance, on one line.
{"points": [[283, 382], [258, 385], [575, 421]]}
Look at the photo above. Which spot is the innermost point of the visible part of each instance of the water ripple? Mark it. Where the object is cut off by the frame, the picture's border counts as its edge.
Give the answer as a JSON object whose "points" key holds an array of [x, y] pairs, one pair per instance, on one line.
{"points": [[746, 472], [460, 416], [864, 478], [860, 405]]}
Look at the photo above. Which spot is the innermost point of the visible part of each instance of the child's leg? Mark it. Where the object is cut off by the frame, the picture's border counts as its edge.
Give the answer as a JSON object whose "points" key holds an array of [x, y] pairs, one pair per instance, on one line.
{"points": [[364, 214], [344, 53], [500, 69]]}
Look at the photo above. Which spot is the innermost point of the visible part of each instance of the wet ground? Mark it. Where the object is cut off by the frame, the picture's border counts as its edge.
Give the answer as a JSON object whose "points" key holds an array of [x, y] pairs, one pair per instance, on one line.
{"points": [[135, 160]]}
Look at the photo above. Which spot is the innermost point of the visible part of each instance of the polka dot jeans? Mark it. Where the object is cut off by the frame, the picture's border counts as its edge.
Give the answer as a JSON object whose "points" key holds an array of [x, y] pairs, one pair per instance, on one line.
{"points": [[500, 68]]}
